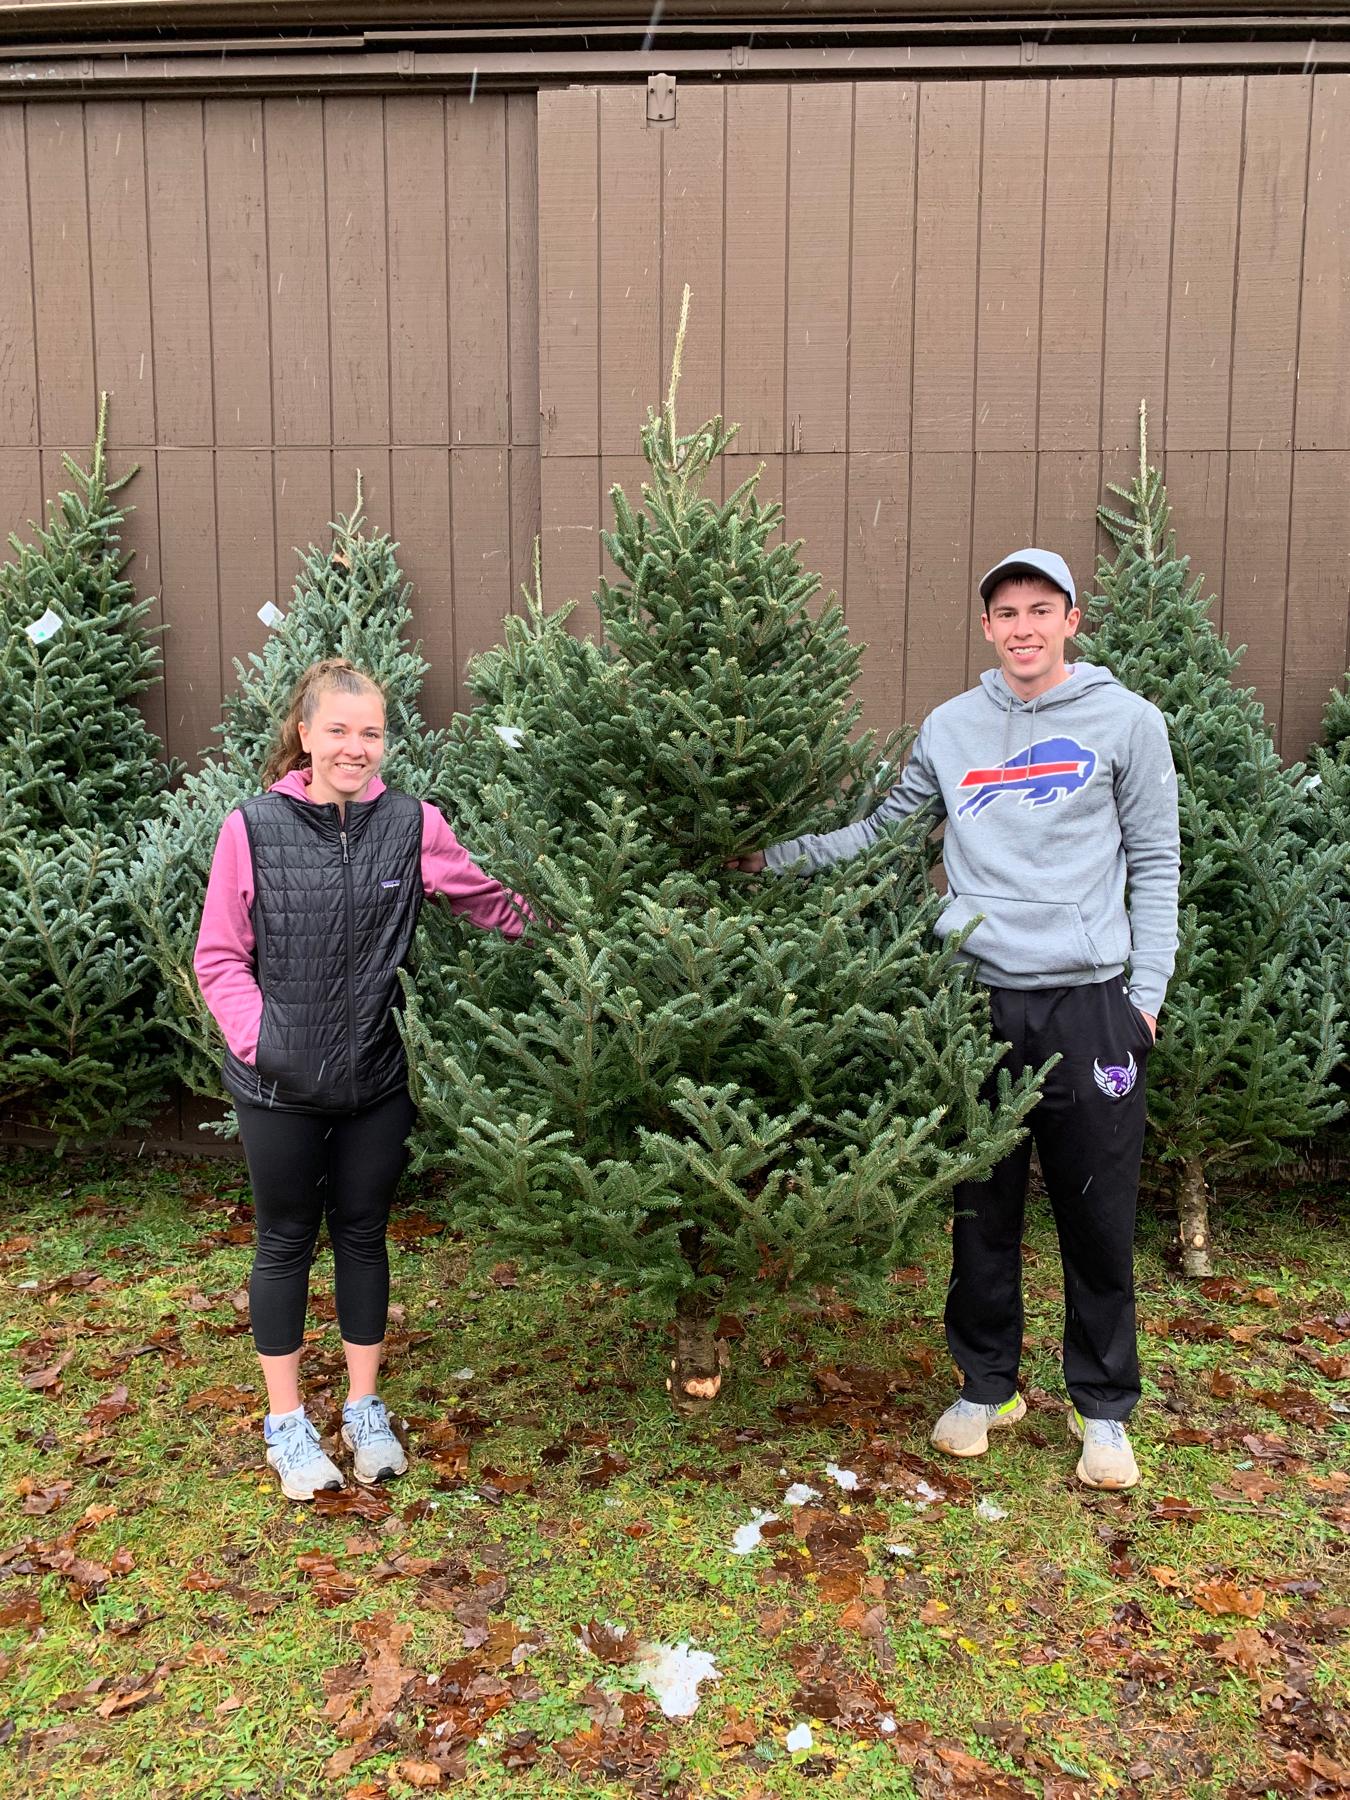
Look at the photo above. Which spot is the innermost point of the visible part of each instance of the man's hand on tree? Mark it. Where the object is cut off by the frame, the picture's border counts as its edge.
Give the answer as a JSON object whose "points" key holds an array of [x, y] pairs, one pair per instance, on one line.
{"points": [[751, 863]]}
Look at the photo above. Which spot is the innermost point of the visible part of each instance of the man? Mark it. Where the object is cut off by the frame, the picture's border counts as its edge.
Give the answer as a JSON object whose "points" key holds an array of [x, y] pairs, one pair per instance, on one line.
{"points": [[1059, 795]]}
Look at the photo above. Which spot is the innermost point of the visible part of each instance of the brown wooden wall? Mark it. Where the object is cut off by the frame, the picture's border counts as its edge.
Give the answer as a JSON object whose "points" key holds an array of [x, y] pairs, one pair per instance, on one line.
{"points": [[277, 292], [933, 308]]}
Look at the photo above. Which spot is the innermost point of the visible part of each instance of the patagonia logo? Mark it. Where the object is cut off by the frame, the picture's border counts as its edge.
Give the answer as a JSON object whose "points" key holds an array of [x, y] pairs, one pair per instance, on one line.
{"points": [[1048, 771], [391, 884], [1114, 1081]]}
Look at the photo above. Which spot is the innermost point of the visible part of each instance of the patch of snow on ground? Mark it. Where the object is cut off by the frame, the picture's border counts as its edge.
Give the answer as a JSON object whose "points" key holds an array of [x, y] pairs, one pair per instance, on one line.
{"points": [[673, 1673], [748, 1537]]}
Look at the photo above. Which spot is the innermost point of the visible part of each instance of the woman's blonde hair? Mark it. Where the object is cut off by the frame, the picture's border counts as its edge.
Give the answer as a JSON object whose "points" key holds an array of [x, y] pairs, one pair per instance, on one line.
{"points": [[334, 675]]}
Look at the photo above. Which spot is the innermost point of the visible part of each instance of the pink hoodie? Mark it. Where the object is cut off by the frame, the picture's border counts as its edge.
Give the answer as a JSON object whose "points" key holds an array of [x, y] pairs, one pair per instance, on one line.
{"points": [[224, 958]]}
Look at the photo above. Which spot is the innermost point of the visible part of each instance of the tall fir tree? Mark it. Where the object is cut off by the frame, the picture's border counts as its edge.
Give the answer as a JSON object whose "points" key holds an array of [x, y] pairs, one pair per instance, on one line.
{"points": [[351, 600], [1255, 1014], [79, 771], [701, 1085], [1326, 788], [1325, 820]]}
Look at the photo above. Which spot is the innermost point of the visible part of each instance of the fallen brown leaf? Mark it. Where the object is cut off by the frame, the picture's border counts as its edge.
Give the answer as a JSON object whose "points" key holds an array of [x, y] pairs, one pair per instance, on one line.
{"points": [[521, 1750], [1174, 1511], [608, 1642], [198, 1581], [38, 1500], [737, 1731], [41, 1381], [603, 1470], [1248, 1650], [1219, 1597], [1246, 1484], [125, 1701], [1319, 1773], [1296, 1405], [114, 1405], [222, 1399], [418, 1774], [1222, 1287], [1246, 1334], [352, 1502]]}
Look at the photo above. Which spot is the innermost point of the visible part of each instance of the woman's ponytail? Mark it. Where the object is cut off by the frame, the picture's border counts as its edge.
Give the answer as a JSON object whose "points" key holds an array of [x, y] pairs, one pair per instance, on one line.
{"points": [[334, 674]]}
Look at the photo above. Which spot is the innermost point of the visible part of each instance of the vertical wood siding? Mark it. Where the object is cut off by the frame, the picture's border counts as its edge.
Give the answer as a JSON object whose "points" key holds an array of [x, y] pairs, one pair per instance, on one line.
{"points": [[933, 308], [277, 293]]}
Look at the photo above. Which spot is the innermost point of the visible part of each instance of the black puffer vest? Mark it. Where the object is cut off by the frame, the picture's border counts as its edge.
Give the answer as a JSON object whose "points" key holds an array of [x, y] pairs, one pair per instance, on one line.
{"points": [[334, 910]]}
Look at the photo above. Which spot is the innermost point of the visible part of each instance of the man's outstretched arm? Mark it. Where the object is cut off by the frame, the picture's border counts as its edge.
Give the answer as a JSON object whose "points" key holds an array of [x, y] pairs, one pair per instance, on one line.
{"points": [[917, 787]]}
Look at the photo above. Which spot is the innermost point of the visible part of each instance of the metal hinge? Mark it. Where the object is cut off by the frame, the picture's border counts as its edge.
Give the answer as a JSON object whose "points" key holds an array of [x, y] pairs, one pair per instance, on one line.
{"points": [[660, 99]]}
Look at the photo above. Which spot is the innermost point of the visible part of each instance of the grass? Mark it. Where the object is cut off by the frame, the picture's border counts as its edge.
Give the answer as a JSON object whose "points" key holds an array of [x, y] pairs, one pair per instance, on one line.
{"points": [[169, 1625]]}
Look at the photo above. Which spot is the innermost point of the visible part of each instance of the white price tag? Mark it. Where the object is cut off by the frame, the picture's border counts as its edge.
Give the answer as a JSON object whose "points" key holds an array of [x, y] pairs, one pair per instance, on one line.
{"points": [[45, 627], [271, 615], [511, 735]]}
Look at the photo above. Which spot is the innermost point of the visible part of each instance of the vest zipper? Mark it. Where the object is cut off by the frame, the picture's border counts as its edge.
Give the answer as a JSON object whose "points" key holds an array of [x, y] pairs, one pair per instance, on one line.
{"points": [[351, 959]]}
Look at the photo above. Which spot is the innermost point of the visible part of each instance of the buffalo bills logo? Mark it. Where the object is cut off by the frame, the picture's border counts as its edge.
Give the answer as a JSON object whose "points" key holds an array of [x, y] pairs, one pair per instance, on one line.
{"points": [[1042, 774], [1114, 1081]]}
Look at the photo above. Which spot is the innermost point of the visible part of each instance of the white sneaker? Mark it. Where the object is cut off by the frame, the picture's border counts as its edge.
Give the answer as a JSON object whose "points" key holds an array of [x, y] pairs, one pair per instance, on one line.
{"points": [[377, 1454], [294, 1451], [1107, 1460], [963, 1430]]}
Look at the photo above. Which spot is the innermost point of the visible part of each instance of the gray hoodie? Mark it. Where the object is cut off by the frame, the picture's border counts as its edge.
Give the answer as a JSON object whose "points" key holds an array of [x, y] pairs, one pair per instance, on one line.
{"points": [[1052, 805]]}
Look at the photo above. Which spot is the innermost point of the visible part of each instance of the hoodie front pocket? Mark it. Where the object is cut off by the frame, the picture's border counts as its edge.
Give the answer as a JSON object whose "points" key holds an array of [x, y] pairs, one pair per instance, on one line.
{"points": [[1020, 938]]}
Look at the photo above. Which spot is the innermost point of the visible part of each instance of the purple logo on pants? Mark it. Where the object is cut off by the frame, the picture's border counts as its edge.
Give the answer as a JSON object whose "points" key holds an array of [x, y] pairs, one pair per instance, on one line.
{"points": [[1114, 1081]]}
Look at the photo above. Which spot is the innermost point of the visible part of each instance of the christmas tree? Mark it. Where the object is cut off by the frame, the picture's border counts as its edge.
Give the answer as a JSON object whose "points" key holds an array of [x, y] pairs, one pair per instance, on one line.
{"points": [[350, 600], [1325, 822], [1255, 1012], [701, 1085], [1326, 788], [79, 771]]}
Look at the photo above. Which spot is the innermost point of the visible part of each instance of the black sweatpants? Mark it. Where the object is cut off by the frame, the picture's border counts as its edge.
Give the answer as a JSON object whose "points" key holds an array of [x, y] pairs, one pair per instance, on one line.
{"points": [[1089, 1129], [305, 1167]]}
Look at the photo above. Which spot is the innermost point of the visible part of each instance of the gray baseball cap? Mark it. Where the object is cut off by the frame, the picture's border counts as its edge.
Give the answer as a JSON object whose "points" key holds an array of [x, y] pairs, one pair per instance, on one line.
{"points": [[1030, 562]]}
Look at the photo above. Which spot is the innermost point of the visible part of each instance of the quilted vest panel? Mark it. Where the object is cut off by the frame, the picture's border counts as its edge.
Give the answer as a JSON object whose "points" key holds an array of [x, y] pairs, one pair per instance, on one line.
{"points": [[335, 906]]}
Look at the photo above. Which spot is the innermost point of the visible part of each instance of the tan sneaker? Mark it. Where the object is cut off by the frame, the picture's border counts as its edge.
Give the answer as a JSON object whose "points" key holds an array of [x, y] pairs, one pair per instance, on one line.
{"points": [[963, 1430], [1107, 1460]]}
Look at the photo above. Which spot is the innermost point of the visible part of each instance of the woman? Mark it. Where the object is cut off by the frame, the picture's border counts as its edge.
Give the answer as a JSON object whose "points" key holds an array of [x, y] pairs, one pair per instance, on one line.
{"points": [[310, 909]]}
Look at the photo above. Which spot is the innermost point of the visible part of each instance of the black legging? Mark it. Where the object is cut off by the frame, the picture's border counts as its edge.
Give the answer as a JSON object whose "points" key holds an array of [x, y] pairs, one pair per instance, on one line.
{"points": [[306, 1167]]}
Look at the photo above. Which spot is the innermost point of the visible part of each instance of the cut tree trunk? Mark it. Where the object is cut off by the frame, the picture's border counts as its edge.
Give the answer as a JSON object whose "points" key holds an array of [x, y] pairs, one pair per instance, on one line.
{"points": [[696, 1370], [1193, 1218]]}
